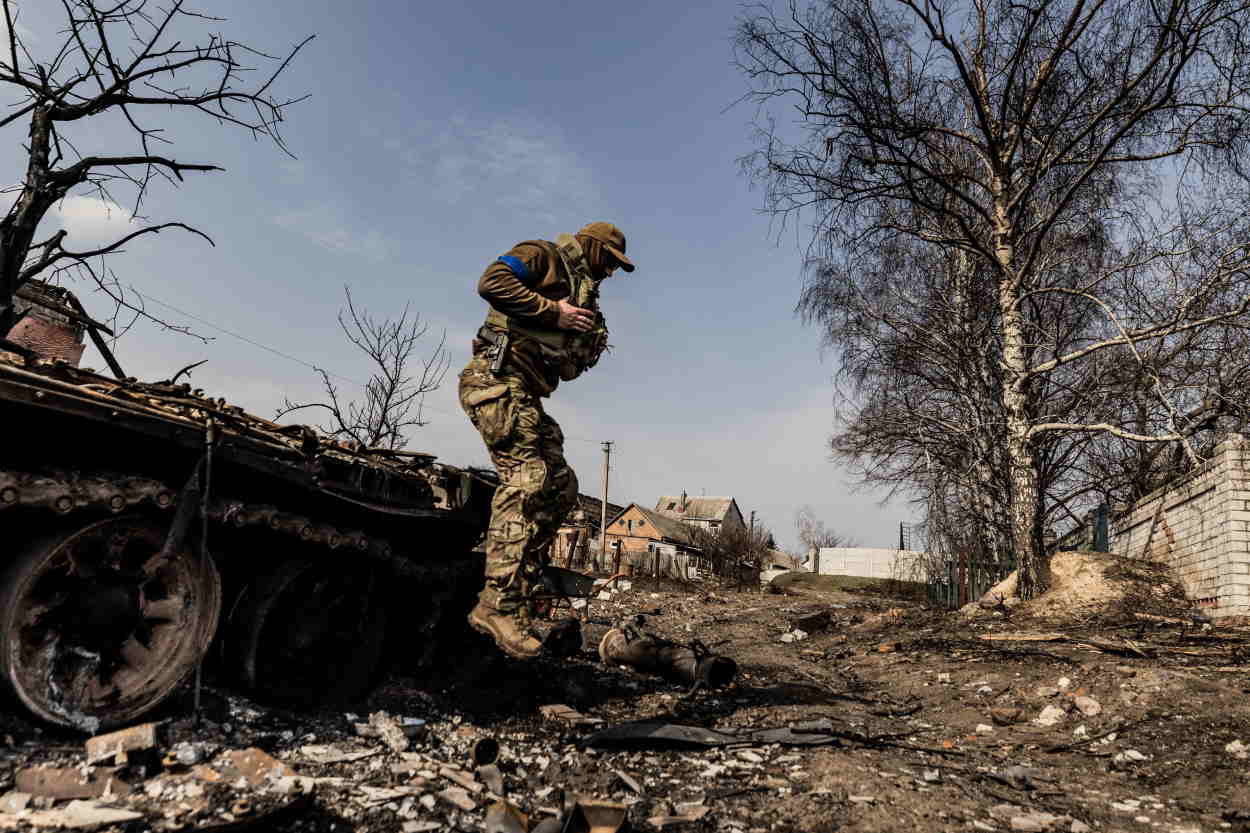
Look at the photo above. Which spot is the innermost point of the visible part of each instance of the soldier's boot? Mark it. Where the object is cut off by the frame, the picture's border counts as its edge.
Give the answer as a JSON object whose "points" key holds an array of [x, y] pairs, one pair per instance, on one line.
{"points": [[509, 628]]}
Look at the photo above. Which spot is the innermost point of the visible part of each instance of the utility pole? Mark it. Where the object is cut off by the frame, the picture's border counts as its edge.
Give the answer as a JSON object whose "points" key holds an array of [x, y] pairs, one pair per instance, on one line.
{"points": [[603, 520]]}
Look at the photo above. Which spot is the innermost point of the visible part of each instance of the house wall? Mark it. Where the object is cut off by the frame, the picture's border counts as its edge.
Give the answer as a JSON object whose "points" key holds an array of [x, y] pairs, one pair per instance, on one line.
{"points": [[734, 519], [867, 562], [49, 333], [1201, 526], [633, 525]]}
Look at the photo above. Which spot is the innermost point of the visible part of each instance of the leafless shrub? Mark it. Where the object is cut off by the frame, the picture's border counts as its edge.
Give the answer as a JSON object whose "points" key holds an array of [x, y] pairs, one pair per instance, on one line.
{"points": [[394, 393]]}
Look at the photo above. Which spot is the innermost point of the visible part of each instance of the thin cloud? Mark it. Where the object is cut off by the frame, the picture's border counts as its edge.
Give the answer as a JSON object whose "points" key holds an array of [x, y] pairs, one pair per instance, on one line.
{"points": [[507, 163], [325, 228]]}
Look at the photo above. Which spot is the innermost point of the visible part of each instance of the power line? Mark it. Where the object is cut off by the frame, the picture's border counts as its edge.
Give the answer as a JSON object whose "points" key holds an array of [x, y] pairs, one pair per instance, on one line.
{"points": [[242, 337], [288, 356]]}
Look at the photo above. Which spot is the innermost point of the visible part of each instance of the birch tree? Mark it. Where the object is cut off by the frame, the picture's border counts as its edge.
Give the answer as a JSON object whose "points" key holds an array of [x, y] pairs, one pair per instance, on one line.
{"points": [[123, 63], [1010, 132]]}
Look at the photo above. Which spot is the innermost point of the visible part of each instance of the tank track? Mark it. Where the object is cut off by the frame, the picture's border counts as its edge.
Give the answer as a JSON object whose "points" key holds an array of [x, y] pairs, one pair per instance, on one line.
{"points": [[64, 493]]}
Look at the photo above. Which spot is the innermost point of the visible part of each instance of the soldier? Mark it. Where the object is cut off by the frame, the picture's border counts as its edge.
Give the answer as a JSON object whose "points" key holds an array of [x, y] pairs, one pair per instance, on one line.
{"points": [[544, 326]]}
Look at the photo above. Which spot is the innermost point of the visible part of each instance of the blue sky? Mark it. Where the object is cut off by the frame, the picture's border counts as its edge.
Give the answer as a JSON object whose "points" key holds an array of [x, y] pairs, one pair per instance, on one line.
{"points": [[437, 136]]}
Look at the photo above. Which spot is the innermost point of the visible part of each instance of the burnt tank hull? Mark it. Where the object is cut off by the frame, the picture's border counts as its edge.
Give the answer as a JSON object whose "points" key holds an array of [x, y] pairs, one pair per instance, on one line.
{"points": [[147, 527]]}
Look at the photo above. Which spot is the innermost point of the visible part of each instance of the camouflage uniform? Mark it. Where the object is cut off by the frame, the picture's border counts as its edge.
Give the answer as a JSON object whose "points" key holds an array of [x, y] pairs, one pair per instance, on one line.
{"points": [[537, 488]]}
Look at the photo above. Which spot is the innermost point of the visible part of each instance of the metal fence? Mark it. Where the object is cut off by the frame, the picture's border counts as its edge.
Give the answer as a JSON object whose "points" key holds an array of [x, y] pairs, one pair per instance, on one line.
{"points": [[955, 583]]}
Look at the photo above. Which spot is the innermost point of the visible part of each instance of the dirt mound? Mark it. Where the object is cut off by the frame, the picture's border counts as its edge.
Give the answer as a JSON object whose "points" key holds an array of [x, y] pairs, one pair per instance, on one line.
{"points": [[1084, 585]]}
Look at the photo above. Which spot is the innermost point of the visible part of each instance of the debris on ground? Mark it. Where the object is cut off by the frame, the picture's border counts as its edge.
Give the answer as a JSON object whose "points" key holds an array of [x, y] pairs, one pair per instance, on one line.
{"points": [[1091, 722]]}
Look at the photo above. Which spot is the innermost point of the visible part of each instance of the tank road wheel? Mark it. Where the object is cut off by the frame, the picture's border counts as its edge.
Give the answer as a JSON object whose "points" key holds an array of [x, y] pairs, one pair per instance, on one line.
{"points": [[95, 630], [311, 634]]}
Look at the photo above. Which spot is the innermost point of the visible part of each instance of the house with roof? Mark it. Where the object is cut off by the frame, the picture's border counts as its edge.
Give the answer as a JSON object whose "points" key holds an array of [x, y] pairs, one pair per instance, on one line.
{"points": [[644, 538], [714, 514]]}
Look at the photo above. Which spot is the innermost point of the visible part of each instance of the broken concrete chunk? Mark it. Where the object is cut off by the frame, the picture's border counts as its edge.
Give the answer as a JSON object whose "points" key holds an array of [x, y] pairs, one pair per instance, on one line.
{"points": [[374, 796], [1088, 706], [458, 797], [186, 753], [558, 711], [464, 779], [1033, 822], [256, 767], [1050, 716], [1129, 756], [14, 802], [333, 755], [79, 815], [117, 745], [389, 730], [693, 810], [70, 782], [1237, 749], [421, 826]]}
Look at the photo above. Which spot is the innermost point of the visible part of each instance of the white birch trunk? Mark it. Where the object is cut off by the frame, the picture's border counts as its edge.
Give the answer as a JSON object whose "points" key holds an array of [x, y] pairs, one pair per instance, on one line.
{"points": [[1025, 510]]}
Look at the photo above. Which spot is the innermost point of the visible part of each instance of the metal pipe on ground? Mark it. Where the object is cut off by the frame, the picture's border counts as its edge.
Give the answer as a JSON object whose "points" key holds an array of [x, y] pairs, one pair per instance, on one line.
{"points": [[691, 664]]}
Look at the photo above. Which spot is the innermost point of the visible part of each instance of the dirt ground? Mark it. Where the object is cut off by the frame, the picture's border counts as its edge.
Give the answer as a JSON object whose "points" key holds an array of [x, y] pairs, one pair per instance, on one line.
{"points": [[1129, 714]]}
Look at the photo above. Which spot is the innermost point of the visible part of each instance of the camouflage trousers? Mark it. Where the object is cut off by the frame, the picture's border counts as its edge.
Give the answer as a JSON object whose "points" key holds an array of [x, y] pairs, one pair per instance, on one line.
{"points": [[537, 489]]}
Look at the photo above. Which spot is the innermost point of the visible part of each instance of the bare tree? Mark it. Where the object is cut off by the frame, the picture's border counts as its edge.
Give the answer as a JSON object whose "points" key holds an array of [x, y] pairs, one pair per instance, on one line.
{"points": [[729, 549], [813, 533], [395, 392], [128, 60], [1005, 132]]}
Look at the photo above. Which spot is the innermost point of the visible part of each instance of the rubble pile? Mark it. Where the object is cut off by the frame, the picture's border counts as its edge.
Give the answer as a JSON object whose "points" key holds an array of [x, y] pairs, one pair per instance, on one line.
{"points": [[1090, 584], [883, 715]]}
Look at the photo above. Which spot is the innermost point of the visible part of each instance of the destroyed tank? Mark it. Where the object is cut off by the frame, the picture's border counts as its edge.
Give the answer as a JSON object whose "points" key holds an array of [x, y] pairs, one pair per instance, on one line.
{"points": [[150, 531]]}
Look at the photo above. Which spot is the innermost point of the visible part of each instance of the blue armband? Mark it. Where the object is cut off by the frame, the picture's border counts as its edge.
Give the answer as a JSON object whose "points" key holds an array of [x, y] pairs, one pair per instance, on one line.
{"points": [[517, 266]]}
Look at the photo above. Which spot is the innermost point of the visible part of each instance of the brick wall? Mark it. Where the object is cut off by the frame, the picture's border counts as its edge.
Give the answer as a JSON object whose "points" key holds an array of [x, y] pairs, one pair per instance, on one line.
{"points": [[49, 333], [1201, 526]]}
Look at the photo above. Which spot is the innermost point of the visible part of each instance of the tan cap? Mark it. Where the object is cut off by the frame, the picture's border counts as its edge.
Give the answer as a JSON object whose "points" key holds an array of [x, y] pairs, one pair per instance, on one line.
{"points": [[612, 239]]}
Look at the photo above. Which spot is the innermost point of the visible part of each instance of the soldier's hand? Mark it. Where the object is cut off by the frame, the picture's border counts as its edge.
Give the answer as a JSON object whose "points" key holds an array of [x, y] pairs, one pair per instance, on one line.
{"points": [[575, 318]]}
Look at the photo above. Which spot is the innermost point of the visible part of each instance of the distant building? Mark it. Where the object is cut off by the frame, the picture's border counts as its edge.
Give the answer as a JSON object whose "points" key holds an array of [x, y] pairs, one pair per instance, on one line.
{"points": [[782, 560], [635, 528], [578, 537], [715, 514], [867, 562]]}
